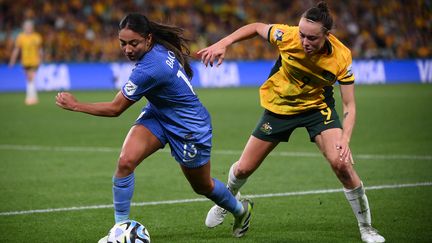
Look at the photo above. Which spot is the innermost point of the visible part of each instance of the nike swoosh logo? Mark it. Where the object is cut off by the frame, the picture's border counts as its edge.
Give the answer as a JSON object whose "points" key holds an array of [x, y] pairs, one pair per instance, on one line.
{"points": [[363, 211], [328, 122]]}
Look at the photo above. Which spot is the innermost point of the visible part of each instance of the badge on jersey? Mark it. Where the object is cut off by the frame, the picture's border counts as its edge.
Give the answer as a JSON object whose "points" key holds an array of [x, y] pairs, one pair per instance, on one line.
{"points": [[130, 88], [278, 34]]}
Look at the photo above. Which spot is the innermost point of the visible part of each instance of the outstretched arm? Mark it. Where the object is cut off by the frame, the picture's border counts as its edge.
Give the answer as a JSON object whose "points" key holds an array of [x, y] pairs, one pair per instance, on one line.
{"points": [[217, 50], [114, 108]]}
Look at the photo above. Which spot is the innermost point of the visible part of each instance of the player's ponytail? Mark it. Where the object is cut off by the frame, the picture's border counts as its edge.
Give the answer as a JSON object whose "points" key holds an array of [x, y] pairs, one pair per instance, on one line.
{"points": [[172, 38], [169, 36], [320, 13]]}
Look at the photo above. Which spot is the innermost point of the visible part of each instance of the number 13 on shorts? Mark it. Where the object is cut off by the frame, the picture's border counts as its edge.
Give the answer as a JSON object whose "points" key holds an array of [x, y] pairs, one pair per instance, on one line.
{"points": [[189, 152]]}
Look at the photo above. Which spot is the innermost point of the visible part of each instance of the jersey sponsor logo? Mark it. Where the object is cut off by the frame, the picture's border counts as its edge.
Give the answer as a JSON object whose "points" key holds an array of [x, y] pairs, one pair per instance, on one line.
{"points": [[130, 88], [266, 128], [278, 34]]}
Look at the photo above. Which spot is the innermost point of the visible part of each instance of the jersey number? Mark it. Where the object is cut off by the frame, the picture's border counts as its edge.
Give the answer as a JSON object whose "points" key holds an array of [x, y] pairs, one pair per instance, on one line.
{"points": [[181, 75]]}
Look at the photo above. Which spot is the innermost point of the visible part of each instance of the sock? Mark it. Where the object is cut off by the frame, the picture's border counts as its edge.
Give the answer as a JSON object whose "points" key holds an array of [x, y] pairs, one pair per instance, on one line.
{"points": [[359, 204], [123, 189], [234, 184], [31, 92], [223, 198]]}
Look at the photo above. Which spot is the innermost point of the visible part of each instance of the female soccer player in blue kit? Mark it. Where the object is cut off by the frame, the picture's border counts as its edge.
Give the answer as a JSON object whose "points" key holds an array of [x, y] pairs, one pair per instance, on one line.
{"points": [[173, 115]]}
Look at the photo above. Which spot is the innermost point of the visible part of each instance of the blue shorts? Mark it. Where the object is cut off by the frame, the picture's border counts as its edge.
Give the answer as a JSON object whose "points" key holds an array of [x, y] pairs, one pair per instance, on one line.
{"points": [[191, 150]]}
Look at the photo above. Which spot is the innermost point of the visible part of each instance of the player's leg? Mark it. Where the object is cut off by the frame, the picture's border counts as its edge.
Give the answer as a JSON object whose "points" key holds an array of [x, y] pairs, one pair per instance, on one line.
{"points": [[138, 145], [31, 92], [326, 142], [254, 153], [202, 183], [353, 187]]}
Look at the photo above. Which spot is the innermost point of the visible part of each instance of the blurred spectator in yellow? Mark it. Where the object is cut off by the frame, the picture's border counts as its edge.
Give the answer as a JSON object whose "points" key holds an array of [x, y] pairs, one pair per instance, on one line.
{"points": [[28, 45]]}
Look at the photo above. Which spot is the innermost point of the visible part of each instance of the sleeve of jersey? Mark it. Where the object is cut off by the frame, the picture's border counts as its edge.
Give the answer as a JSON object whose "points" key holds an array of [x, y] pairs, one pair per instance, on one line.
{"points": [[138, 85], [347, 75], [279, 33]]}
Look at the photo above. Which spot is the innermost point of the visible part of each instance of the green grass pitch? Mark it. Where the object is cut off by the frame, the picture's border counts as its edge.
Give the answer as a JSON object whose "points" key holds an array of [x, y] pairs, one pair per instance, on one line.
{"points": [[52, 159]]}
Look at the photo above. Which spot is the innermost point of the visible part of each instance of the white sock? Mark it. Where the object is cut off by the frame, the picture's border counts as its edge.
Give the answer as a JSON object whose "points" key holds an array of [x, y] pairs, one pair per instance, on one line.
{"points": [[31, 92], [234, 184], [359, 204]]}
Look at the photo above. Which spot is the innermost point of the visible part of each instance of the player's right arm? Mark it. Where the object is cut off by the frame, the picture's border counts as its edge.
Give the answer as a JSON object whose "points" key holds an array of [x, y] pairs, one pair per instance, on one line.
{"points": [[110, 109], [14, 55], [217, 50]]}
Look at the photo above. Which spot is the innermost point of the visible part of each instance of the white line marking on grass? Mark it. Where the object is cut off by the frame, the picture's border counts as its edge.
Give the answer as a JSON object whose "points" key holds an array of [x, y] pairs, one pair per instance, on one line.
{"points": [[269, 195], [223, 152]]}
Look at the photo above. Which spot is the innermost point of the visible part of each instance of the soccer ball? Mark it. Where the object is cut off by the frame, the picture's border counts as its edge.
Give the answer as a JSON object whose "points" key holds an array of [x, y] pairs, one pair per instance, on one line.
{"points": [[129, 231]]}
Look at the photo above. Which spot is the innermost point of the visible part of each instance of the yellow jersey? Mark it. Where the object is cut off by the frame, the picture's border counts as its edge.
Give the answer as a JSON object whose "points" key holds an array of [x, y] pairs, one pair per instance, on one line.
{"points": [[301, 83], [30, 45]]}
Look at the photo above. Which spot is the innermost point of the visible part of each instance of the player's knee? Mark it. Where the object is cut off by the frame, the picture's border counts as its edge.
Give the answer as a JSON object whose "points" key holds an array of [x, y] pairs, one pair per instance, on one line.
{"points": [[126, 164], [340, 166], [342, 169]]}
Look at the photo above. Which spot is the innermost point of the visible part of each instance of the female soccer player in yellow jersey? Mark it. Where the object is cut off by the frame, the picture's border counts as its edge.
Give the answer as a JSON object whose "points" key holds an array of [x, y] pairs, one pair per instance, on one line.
{"points": [[30, 44], [299, 93]]}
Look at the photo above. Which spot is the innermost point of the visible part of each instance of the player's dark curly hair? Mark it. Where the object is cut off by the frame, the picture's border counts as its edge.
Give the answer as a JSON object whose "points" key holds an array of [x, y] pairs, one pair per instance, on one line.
{"points": [[320, 13], [169, 36]]}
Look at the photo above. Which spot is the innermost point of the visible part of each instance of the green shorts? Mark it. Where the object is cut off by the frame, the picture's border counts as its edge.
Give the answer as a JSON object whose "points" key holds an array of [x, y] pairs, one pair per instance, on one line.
{"points": [[278, 128], [28, 68]]}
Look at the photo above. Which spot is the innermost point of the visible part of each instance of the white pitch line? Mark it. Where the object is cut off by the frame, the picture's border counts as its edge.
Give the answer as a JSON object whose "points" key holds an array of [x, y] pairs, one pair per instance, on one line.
{"points": [[269, 195], [221, 152]]}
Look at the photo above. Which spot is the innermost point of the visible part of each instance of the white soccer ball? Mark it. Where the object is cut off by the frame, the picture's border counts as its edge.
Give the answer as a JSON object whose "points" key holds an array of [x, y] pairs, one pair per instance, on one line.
{"points": [[129, 231]]}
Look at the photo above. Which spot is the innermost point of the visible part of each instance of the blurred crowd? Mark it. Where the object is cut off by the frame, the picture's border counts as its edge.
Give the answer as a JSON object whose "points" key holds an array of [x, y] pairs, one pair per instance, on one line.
{"points": [[85, 30]]}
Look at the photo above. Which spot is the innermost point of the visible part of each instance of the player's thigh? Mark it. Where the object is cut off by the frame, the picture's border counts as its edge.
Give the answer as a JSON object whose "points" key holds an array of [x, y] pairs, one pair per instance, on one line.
{"points": [[327, 142], [30, 72], [139, 143], [254, 153]]}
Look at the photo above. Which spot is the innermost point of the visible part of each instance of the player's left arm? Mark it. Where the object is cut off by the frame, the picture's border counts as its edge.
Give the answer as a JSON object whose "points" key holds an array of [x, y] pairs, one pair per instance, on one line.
{"points": [[216, 52], [349, 117]]}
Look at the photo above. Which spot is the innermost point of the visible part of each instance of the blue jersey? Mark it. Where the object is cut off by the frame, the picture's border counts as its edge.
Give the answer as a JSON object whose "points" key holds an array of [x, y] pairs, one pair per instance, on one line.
{"points": [[160, 78]]}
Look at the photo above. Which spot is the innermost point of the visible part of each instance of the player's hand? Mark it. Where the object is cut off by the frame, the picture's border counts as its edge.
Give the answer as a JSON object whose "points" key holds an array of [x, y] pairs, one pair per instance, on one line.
{"points": [[66, 101], [344, 150], [211, 53]]}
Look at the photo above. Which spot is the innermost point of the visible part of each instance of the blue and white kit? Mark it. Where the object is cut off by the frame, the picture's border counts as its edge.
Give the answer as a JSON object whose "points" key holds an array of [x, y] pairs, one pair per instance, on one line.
{"points": [[173, 113]]}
